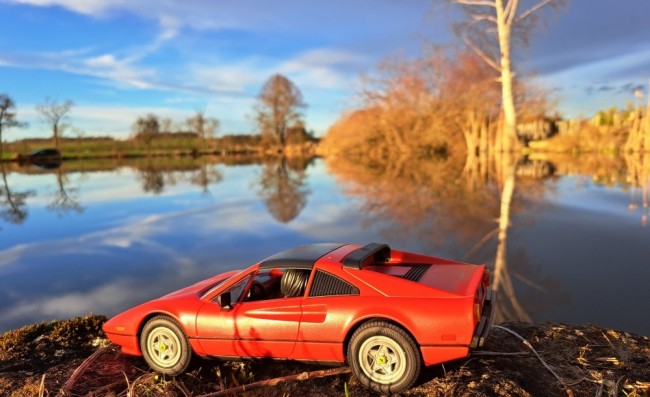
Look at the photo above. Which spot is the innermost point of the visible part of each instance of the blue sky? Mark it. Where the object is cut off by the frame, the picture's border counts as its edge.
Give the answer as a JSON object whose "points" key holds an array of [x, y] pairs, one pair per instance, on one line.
{"points": [[119, 59]]}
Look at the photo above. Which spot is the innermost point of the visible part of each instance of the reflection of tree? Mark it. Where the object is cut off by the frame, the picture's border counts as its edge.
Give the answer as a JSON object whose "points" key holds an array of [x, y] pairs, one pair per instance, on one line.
{"points": [[425, 197], [65, 198], [15, 211], [638, 176], [152, 180], [206, 175], [437, 200], [509, 307], [282, 187]]}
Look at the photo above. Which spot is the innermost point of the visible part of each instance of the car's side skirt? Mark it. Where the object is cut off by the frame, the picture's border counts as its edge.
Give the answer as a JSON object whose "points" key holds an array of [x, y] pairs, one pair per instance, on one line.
{"points": [[432, 355]]}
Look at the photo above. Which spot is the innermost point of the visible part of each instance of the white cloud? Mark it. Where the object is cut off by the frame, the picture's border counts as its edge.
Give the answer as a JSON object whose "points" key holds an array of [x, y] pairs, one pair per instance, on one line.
{"points": [[577, 84], [88, 7], [98, 120]]}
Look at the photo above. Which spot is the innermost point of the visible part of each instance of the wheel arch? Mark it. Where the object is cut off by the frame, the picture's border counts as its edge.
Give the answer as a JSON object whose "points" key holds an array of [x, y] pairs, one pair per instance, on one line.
{"points": [[151, 315], [358, 324]]}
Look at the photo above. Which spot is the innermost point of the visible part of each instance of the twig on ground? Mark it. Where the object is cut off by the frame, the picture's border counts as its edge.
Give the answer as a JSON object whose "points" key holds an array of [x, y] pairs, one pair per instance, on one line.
{"points": [[275, 381]]}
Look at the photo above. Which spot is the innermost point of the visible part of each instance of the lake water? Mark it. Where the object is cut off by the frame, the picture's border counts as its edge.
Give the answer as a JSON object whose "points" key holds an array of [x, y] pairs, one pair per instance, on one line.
{"points": [[101, 237]]}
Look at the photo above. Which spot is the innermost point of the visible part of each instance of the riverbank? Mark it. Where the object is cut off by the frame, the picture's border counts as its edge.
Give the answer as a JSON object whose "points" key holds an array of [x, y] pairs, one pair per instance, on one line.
{"points": [[588, 360]]}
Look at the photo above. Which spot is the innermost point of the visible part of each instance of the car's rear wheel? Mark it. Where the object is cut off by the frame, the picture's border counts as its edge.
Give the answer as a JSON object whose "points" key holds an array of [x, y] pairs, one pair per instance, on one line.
{"points": [[384, 357], [164, 346]]}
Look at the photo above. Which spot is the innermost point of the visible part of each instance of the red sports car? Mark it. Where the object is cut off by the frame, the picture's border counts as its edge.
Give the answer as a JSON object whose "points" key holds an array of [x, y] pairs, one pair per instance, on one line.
{"points": [[384, 312]]}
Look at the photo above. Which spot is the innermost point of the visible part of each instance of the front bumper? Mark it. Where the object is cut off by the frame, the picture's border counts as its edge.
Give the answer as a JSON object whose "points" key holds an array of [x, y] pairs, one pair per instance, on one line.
{"points": [[128, 343], [487, 317]]}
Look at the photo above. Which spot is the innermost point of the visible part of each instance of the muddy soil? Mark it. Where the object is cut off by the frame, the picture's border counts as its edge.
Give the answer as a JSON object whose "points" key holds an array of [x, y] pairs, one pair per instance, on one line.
{"points": [[72, 358]]}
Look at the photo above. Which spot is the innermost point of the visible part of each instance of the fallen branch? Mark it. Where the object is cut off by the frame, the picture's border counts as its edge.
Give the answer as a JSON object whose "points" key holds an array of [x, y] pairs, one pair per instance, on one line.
{"points": [[80, 370], [275, 381]]}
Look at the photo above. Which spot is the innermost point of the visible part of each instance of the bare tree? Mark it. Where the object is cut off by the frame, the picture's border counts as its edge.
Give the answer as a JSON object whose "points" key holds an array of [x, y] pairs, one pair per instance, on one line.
{"points": [[166, 125], [491, 28], [146, 128], [203, 126], [55, 114], [7, 118], [278, 107]]}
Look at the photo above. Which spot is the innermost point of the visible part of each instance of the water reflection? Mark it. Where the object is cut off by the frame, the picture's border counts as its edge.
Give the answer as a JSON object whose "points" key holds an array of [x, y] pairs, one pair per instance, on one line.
{"points": [[464, 207], [66, 196], [638, 176], [282, 187], [205, 176], [12, 204], [553, 229]]}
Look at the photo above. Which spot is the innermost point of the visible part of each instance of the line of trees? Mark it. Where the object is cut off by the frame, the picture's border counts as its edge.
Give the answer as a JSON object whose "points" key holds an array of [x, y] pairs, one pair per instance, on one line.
{"points": [[443, 102], [277, 113]]}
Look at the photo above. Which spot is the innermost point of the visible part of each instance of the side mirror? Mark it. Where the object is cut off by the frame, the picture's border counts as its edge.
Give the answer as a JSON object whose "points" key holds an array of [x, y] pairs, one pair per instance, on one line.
{"points": [[224, 300]]}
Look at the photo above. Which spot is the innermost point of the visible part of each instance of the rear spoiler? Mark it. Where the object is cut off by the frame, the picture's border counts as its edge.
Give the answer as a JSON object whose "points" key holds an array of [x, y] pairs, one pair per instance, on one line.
{"points": [[368, 254]]}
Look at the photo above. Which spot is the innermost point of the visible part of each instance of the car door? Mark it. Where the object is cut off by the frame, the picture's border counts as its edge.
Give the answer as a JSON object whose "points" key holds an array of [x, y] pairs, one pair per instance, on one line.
{"points": [[327, 311], [264, 328]]}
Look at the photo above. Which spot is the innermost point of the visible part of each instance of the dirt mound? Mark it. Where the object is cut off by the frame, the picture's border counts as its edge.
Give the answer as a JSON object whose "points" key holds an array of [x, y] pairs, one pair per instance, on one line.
{"points": [[72, 358]]}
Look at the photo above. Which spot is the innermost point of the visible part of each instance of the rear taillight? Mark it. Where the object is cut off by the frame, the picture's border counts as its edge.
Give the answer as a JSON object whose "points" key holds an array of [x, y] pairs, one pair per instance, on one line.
{"points": [[477, 312]]}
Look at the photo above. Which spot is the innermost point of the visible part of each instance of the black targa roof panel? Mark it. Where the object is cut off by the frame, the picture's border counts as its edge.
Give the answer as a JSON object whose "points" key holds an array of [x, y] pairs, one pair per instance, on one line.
{"points": [[301, 257], [372, 252]]}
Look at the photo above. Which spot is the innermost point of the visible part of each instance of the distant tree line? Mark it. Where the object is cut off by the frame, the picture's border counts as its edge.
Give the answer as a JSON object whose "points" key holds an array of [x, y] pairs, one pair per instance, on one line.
{"points": [[442, 102], [277, 113]]}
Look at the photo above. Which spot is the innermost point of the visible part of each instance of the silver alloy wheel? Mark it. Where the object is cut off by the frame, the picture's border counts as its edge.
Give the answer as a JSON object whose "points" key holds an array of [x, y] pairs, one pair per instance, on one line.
{"points": [[382, 359], [164, 347]]}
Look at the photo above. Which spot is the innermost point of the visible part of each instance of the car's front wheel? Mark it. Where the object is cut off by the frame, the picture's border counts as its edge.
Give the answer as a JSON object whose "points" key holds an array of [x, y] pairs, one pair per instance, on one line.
{"points": [[384, 357], [164, 346]]}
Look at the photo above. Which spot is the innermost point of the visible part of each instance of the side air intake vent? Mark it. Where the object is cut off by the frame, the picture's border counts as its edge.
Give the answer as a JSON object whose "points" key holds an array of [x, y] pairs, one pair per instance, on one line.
{"points": [[416, 272], [326, 285]]}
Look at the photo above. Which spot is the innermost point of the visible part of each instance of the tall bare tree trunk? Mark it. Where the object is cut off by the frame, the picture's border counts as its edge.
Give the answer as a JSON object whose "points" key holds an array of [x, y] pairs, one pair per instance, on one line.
{"points": [[504, 28], [55, 131], [645, 125]]}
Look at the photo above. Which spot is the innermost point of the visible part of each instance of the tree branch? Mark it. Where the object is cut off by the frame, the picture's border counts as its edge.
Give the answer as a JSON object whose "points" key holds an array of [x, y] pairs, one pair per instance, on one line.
{"points": [[511, 11], [485, 57], [275, 381], [483, 17], [532, 9], [486, 3]]}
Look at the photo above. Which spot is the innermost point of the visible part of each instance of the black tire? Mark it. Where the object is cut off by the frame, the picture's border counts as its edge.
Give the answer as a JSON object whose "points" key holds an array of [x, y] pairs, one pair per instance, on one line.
{"points": [[384, 357], [164, 346]]}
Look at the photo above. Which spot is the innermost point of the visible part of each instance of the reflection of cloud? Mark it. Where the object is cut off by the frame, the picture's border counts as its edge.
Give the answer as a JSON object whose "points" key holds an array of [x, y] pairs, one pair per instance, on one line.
{"points": [[143, 231], [91, 244], [110, 270], [103, 299]]}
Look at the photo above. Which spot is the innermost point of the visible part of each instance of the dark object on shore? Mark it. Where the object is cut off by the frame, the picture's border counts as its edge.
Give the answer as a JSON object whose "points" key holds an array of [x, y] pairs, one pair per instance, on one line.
{"points": [[44, 158]]}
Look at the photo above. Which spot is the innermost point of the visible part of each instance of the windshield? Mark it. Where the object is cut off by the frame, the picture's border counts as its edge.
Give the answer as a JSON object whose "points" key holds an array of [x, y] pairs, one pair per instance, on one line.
{"points": [[214, 287]]}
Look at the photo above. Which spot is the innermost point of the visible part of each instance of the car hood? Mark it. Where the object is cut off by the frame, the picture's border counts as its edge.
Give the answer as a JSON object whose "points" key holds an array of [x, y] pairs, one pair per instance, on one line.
{"points": [[203, 286]]}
